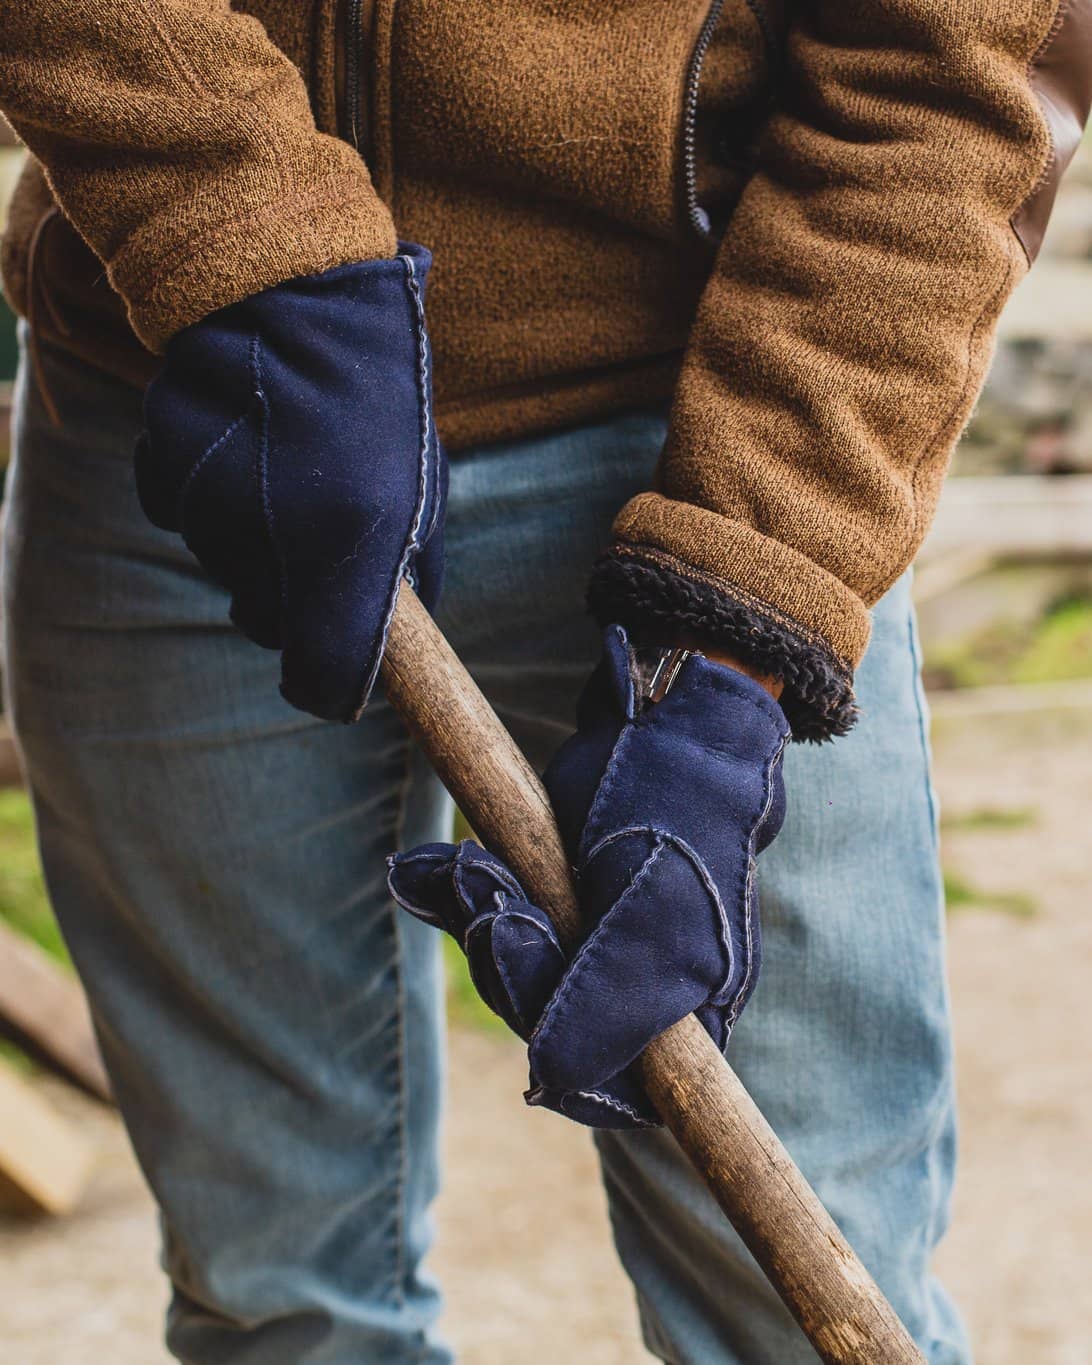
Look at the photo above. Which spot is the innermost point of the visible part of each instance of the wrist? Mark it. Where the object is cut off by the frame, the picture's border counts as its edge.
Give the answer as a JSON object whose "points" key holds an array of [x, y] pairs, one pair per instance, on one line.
{"points": [[717, 654], [687, 642], [774, 686]]}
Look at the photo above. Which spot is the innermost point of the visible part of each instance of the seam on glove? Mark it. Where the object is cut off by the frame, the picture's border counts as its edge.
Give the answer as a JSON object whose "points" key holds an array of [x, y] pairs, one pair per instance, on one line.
{"points": [[500, 964], [487, 917], [546, 931], [421, 334], [262, 471], [665, 838], [465, 900], [619, 1106], [557, 1005], [742, 995], [199, 464], [414, 908], [606, 783], [499, 874], [412, 544], [631, 685]]}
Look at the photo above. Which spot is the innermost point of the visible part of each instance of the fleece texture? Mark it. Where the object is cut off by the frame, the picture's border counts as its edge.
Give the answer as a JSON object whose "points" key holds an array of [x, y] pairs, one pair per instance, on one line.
{"points": [[661, 804], [799, 222], [806, 455], [179, 140]]}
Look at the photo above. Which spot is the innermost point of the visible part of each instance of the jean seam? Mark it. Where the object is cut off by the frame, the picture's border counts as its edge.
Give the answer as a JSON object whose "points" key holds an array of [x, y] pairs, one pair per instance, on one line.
{"points": [[399, 1293], [400, 1185], [398, 1287], [750, 894], [923, 733], [943, 1119]]}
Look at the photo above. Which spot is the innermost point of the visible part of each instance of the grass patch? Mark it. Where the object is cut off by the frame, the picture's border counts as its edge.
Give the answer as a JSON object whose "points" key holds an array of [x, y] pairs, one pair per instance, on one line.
{"points": [[990, 818], [24, 904], [1056, 648], [960, 894], [23, 901], [15, 1058], [1062, 644]]}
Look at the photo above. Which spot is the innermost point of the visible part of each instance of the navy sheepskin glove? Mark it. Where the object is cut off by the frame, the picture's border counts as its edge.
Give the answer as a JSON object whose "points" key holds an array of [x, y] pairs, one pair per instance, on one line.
{"points": [[289, 437], [663, 807]]}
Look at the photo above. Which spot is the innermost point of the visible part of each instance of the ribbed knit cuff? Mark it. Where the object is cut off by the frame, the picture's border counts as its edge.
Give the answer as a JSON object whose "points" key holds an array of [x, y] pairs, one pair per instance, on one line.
{"points": [[644, 590]]}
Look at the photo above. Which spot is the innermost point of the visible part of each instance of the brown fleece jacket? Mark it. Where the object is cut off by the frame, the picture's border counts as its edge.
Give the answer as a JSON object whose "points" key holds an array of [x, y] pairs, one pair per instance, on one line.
{"points": [[180, 142], [876, 172]]}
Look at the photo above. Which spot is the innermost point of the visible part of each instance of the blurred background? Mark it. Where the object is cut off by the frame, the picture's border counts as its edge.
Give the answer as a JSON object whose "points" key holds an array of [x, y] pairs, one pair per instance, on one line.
{"points": [[1004, 591]]}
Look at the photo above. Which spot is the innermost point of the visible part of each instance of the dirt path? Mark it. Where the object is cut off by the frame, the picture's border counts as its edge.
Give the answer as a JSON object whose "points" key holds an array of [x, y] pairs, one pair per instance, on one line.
{"points": [[524, 1251], [1020, 1249]]}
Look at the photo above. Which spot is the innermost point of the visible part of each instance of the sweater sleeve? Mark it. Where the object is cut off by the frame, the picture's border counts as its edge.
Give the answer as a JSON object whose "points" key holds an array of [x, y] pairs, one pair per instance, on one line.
{"points": [[844, 334], [180, 143]]}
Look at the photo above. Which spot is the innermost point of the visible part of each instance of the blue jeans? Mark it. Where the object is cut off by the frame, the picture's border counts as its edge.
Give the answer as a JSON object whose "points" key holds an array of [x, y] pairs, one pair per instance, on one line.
{"points": [[273, 1027]]}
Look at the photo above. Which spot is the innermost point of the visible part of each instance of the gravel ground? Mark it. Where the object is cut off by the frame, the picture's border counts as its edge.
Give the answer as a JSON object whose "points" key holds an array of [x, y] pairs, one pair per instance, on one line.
{"points": [[531, 1262]]}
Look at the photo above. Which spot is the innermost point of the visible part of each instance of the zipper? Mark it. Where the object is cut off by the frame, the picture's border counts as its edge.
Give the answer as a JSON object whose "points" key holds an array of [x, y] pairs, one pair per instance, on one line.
{"points": [[696, 215], [354, 42], [358, 18]]}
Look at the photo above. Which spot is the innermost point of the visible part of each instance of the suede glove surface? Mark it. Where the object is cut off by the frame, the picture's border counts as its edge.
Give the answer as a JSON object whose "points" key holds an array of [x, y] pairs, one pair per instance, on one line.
{"points": [[663, 807], [289, 438]]}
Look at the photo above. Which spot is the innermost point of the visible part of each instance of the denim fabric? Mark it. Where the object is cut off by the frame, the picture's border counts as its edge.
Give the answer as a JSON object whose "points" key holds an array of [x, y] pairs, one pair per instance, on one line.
{"points": [[273, 1026], [290, 439], [663, 807]]}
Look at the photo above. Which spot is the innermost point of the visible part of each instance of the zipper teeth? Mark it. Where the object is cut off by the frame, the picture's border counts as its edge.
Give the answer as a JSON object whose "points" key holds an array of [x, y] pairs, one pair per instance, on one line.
{"points": [[354, 37], [699, 220]]}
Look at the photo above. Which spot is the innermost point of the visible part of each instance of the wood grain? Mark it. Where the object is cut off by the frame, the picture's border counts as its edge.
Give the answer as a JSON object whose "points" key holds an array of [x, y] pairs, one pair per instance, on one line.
{"points": [[701, 1100]]}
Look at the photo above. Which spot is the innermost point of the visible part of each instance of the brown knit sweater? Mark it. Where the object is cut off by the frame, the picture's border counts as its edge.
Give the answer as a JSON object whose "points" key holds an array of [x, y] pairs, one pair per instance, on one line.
{"points": [[800, 220]]}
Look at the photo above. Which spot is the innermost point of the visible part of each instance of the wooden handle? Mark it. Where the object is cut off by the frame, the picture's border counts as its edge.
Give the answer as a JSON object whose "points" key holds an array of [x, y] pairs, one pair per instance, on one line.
{"points": [[701, 1100]]}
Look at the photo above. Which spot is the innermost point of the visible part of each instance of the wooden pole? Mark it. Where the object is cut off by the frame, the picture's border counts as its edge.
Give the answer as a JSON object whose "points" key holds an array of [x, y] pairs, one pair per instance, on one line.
{"points": [[701, 1100]]}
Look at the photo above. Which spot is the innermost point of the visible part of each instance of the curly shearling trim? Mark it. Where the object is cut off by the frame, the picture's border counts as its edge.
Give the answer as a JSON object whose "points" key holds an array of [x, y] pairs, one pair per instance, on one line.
{"points": [[818, 697]]}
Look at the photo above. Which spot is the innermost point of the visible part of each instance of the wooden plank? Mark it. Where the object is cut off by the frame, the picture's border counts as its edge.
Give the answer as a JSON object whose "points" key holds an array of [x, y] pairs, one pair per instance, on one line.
{"points": [[1015, 516], [45, 1010], [44, 1162], [942, 573]]}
